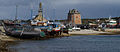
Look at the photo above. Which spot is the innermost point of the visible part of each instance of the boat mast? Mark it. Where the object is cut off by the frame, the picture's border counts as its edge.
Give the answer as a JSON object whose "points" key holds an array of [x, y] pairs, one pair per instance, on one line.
{"points": [[54, 15], [31, 11], [16, 12]]}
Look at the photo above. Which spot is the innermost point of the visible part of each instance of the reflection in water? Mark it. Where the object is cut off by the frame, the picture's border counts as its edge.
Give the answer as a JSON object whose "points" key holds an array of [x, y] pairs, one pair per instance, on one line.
{"points": [[94, 43]]}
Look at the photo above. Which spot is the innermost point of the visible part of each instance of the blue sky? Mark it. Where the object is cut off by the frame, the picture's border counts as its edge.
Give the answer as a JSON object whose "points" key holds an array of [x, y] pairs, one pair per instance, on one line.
{"points": [[58, 9]]}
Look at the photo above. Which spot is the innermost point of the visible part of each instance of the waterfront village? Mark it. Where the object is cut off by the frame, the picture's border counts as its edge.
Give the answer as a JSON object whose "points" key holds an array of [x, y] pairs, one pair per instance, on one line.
{"points": [[40, 27]]}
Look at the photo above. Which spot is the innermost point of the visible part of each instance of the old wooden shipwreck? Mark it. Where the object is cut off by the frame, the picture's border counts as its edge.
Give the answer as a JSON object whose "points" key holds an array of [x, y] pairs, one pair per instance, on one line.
{"points": [[29, 31]]}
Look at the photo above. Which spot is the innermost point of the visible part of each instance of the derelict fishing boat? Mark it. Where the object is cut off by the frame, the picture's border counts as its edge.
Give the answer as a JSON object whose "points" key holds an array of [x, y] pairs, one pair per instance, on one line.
{"points": [[20, 31]]}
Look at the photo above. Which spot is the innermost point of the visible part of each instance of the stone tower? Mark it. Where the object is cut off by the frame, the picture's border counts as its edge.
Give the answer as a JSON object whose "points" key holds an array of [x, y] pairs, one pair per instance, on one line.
{"points": [[40, 14], [74, 17], [40, 11]]}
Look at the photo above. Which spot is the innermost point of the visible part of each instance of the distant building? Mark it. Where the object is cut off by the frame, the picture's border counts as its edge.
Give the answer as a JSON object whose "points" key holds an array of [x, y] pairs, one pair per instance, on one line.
{"points": [[40, 14], [74, 17], [39, 19]]}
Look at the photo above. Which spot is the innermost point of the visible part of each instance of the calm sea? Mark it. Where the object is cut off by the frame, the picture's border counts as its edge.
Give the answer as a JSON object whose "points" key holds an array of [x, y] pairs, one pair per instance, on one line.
{"points": [[87, 43]]}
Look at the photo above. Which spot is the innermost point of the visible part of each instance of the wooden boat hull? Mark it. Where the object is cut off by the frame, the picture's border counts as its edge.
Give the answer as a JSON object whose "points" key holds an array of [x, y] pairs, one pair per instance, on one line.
{"points": [[25, 34], [17, 30]]}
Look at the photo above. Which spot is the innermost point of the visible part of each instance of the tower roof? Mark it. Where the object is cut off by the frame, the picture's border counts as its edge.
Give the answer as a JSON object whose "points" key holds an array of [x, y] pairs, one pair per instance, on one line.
{"points": [[74, 11]]}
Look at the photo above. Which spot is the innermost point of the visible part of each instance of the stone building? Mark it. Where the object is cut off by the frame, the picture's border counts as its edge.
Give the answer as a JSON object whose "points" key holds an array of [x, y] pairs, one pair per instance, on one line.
{"points": [[74, 17], [40, 14]]}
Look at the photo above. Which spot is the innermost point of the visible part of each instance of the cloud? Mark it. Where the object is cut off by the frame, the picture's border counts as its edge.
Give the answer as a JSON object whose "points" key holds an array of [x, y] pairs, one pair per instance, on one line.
{"points": [[16, 2], [76, 2], [64, 2], [89, 8]]}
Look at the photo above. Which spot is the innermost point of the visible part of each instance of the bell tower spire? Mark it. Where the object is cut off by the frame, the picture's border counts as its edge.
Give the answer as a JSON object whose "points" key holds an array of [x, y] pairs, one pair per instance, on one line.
{"points": [[40, 14], [40, 5], [40, 10]]}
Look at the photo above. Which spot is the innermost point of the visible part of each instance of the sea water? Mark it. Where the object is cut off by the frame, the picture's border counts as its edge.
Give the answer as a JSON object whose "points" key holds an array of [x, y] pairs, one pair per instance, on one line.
{"points": [[84, 43]]}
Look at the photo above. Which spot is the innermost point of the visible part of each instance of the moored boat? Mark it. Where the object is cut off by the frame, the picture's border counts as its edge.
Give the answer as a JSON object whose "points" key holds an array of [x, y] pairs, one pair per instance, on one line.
{"points": [[22, 31]]}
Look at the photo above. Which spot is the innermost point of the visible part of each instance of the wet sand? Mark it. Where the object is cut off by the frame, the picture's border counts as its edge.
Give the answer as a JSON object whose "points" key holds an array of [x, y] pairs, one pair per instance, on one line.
{"points": [[4, 46], [112, 30]]}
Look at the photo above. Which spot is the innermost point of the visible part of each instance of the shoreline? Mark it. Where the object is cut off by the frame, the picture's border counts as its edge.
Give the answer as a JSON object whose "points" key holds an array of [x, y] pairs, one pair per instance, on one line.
{"points": [[92, 32], [4, 37], [7, 40]]}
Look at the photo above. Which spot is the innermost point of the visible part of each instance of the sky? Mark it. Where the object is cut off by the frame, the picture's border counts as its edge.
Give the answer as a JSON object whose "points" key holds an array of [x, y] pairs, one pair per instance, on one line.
{"points": [[58, 9]]}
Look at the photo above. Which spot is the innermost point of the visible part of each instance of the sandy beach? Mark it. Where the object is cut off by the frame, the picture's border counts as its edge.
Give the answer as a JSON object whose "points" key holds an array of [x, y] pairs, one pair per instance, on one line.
{"points": [[87, 32], [92, 32]]}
